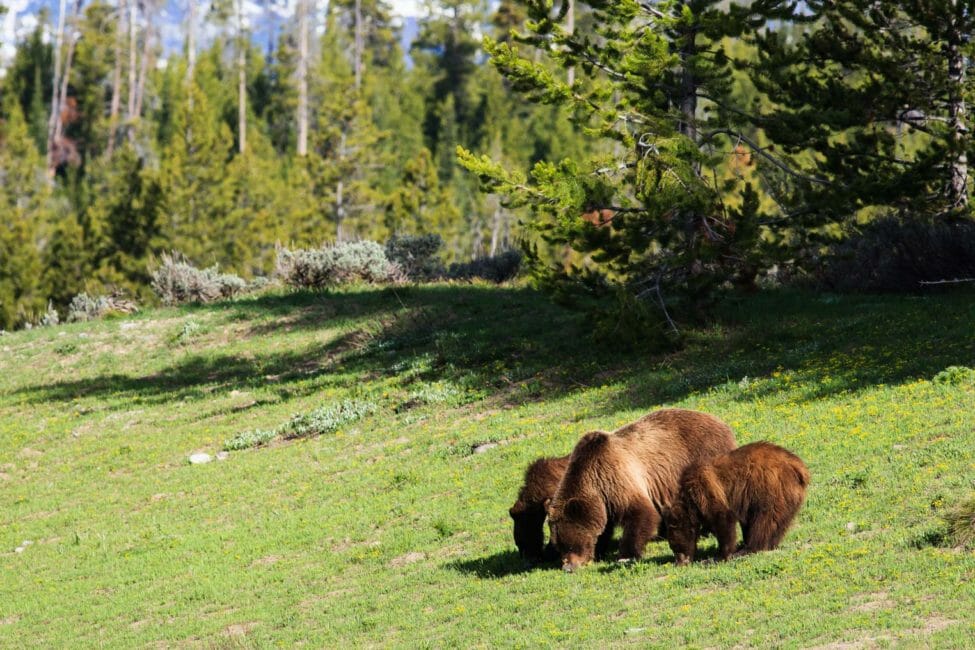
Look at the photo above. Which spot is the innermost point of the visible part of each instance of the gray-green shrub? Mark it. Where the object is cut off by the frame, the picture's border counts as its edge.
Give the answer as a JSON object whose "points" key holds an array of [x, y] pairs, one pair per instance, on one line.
{"points": [[416, 255], [331, 265], [177, 281]]}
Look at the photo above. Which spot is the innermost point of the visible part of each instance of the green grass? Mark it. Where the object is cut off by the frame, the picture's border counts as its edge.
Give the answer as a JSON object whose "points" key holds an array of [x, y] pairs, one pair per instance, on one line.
{"points": [[389, 530]]}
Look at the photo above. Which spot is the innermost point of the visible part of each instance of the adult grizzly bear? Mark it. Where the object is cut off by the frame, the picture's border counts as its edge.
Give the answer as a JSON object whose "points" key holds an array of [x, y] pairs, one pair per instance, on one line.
{"points": [[629, 477], [760, 485], [528, 512]]}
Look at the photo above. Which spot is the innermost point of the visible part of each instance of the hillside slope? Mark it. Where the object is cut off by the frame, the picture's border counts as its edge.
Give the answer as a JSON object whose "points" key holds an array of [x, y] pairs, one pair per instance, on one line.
{"points": [[392, 530]]}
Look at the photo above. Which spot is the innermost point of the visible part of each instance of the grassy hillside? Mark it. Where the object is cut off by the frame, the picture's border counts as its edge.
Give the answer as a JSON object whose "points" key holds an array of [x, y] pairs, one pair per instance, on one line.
{"points": [[393, 530]]}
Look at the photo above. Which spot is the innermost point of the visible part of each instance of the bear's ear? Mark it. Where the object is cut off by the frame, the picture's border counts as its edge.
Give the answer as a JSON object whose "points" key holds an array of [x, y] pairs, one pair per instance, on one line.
{"points": [[593, 440], [580, 510], [517, 509]]}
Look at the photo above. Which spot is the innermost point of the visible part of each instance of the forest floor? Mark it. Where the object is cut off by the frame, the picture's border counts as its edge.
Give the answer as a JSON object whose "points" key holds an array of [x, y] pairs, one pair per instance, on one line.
{"points": [[393, 529]]}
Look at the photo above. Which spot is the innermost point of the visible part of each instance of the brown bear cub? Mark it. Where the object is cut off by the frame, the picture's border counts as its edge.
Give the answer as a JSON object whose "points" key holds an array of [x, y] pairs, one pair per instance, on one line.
{"points": [[528, 513], [760, 485], [629, 477]]}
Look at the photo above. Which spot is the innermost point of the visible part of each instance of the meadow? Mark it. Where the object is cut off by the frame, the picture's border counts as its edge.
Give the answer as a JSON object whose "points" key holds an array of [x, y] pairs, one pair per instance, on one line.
{"points": [[391, 530]]}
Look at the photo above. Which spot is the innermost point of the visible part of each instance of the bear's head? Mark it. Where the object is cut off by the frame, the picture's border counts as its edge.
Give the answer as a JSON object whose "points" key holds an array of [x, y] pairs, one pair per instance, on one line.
{"points": [[683, 529], [529, 524], [575, 526]]}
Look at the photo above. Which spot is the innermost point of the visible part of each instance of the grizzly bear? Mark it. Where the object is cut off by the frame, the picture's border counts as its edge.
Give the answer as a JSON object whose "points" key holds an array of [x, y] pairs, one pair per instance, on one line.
{"points": [[760, 485], [528, 513], [629, 477]]}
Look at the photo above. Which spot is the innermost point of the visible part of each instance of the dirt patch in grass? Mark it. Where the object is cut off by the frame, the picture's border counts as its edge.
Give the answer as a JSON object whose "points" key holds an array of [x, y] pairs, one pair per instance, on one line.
{"points": [[238, 630], [409, 558], [873, 602]]}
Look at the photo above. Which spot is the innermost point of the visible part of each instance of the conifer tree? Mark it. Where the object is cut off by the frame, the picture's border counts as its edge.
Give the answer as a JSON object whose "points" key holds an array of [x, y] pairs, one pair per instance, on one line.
{"points": [[26, 211], [648, 217], [877, 91]]}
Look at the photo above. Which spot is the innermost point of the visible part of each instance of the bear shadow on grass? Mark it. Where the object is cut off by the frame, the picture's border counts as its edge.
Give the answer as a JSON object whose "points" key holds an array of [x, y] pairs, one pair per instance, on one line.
{"points": [[498, 565]]}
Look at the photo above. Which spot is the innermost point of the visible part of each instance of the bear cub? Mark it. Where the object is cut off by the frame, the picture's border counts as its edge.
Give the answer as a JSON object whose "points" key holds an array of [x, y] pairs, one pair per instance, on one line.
{"points": [[760, 486], [528, 513]]}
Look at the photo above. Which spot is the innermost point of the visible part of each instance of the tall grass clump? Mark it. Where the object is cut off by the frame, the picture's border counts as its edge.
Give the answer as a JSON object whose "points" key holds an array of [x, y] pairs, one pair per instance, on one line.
{"points": [[961, 524]]}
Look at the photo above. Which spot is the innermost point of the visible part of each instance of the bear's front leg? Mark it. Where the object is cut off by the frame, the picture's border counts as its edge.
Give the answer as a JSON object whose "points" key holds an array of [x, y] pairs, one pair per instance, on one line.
{"points": [[602, 543], [725, 528], [640, 523]]}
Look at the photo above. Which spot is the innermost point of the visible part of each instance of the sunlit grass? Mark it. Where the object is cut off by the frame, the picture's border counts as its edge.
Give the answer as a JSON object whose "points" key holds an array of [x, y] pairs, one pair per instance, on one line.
{"points": [[389, 529]]}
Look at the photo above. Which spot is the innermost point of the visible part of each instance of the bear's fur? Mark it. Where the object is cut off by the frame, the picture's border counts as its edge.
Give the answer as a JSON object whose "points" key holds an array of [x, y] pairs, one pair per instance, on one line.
{"points": [[760, 485], [528, 513], [629, 477]]}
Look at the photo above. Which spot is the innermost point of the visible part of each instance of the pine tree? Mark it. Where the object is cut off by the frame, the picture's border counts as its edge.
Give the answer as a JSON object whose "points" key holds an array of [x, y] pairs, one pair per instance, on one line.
{"points": [[123, 224], [346, 139], [648, 217], [26, 212], [877, 92]]}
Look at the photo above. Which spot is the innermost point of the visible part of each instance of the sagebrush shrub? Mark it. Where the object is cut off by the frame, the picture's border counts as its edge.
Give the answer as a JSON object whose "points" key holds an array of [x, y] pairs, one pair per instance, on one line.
{"points": [[50, 317], [416, 255], [497, 268], [85, 308], [176, 281], [343, 263]]}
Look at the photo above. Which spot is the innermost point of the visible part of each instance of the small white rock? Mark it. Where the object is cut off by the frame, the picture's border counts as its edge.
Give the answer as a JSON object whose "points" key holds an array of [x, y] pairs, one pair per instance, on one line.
{"points": [[27, 542], [223, 455], [19, 549], [851, 526], [480, 449], [199, 459]]}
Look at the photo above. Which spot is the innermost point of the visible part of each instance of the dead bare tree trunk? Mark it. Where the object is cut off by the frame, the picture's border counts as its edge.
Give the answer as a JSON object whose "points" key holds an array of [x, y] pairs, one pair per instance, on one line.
{"points": [[190, 43], [340, 190], [65, 78], [116, 103], [133, 58], [958, 167], [303, 77], [359, 45], [570, 27], [52, 123], [241, 81], [146, 55]]}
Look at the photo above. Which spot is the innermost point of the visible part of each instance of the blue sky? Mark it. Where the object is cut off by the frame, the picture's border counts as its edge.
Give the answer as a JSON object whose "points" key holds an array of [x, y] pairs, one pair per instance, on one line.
{"points": [[21, 18]]}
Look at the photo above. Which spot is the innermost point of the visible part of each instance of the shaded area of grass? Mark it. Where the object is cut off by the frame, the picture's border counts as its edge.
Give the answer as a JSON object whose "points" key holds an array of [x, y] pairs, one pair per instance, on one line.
{"points": [[513, 341]]}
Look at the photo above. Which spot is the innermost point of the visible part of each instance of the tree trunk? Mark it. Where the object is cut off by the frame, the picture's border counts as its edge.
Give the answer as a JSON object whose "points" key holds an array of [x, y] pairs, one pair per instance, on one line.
{"points": [[339, 193], [190, 44], [958, 166], [496, 224], [116, 82], [241, 81], [303, 77], [65, 78], [359, 45], [133, 56], [570, 27], [52, 123], [140, 90]]}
